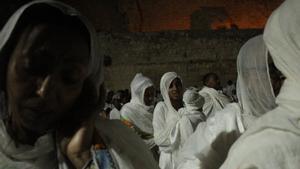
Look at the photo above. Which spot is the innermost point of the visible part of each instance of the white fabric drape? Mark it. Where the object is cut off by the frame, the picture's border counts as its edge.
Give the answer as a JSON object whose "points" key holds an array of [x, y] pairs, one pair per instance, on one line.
{"points": [[214, 101], [191, 116], [214, 137], [114, 114], [136, 111], [127, 149], [42, 154], [273, 141], [165, 118]]}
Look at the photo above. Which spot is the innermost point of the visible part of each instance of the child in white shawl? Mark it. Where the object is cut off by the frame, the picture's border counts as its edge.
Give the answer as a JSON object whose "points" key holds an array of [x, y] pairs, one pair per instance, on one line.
{"points": [[190, 116], [273, 140]]}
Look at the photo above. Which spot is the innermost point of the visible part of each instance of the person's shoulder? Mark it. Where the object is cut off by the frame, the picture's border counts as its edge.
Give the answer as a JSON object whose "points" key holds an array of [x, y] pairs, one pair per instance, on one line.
{"points": [[126, 108], [160, 105], [230, 110]]}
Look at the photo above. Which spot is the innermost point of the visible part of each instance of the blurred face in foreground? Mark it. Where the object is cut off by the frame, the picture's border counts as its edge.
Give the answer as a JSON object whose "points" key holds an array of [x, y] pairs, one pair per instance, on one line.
{"points": [[45, 76]]}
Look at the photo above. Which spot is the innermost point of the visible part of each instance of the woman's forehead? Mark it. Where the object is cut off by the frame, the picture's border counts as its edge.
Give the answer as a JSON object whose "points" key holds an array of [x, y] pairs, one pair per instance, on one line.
{"points": [[67, 45]]}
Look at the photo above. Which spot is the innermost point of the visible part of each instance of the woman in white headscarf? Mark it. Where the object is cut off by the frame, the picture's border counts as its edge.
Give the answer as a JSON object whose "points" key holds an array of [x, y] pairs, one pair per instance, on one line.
{"points": [[51, 73], [273, 141], [208, 146], [166, 116], [138, 113]]}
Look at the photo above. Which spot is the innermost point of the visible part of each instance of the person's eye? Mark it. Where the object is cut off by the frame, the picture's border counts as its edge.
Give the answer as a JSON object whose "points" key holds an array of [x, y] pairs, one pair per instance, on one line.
{"points": [[72, 76]]}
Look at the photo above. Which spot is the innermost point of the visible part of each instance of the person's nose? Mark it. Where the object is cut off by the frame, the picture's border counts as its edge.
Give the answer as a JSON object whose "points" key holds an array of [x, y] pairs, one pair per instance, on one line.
{"points": [[43, 86]]}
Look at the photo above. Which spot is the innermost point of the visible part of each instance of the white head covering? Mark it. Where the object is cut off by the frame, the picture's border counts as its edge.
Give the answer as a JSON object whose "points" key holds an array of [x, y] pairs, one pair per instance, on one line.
{"points": [[41, 154], [192, 99], [274, 140], [165, 83], [254, 90], [282, 37], [95, 63], [138, 86], [136, 111]]}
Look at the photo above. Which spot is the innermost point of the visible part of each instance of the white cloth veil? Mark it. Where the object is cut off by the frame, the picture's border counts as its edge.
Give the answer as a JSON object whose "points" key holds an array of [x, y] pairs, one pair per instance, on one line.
{"points": [[254, 90], [273, 141], [136, 111]]}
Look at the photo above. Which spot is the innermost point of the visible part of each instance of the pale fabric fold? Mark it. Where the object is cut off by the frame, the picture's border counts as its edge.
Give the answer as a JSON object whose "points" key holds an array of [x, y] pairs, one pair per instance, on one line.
{"points": [[43, 153], [126, 148], [214, 101], [165, 118], [114, 114], [136, 111], [214, 137], [273, 141]]}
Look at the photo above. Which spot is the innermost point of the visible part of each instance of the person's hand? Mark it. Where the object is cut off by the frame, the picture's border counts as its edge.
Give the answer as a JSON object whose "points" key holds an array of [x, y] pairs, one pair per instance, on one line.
{"points": [[77, 148]]}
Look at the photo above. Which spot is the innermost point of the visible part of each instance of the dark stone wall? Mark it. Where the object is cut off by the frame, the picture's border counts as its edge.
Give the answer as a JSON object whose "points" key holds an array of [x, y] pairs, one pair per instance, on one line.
{"points": [[190, 54]]}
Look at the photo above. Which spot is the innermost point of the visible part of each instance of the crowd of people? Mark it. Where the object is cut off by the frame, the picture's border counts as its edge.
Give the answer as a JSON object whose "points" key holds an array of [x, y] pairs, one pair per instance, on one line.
{"points": [[56, 114]]}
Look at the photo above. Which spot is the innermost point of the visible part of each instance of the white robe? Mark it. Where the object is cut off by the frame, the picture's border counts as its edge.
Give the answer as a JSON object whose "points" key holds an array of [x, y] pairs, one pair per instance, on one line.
{"points": [[214, 101], [273, 141], [136, 112], [165, 118], [208, 146]]}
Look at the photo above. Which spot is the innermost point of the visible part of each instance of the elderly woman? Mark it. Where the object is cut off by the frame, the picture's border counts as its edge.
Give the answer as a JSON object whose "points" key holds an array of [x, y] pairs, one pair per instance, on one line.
{"points": [[273, 141], [166, 116], [208, 147], [50, 77]]}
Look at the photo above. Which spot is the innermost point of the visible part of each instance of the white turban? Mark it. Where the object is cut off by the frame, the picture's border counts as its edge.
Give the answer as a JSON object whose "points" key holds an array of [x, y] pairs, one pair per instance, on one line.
{"points": [[192, 99]]}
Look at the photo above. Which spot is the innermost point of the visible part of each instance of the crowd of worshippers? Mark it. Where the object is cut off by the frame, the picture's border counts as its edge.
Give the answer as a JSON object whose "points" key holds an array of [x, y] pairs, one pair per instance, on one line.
{"points": [[52, 91], [114, 101]]}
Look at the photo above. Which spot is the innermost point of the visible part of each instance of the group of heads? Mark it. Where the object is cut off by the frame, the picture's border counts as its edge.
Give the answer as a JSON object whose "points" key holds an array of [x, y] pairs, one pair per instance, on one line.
{"points": [[51, 70]]}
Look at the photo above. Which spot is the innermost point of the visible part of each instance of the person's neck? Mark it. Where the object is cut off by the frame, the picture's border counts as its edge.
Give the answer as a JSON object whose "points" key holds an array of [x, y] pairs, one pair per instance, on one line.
{"points": [[20, 134], [177, 104]]}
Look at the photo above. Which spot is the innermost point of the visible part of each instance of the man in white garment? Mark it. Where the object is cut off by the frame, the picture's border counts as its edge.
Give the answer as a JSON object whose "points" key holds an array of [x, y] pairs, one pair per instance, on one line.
{"points": [[273, 140], [208, 146], [215, 100], [229, 90], [115, 112]]}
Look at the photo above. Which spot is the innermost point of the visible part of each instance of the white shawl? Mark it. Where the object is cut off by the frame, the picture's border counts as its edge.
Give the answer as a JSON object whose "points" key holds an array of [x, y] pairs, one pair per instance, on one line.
{"points": [[165, 118], [214, 101], [136, 111], [273, 141], [214, 138]]}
